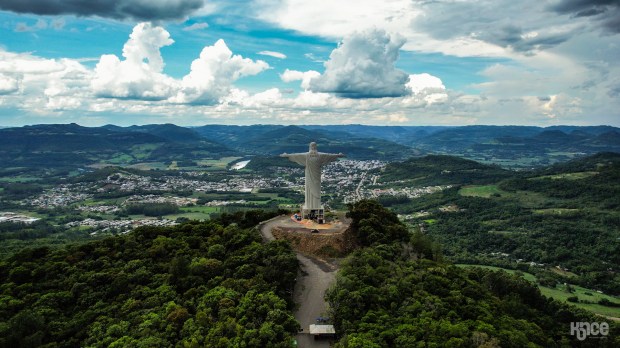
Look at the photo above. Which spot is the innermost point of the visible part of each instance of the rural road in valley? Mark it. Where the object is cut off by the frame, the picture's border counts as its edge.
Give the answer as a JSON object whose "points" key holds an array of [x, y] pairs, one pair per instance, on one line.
{"points": [[315, 278]]}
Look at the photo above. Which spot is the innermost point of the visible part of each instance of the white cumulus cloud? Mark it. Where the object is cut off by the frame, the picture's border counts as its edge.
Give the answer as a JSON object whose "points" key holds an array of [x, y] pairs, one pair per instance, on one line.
{"points": [[303, 76], [213, 73], [8, 84], [362, 66], [420, 82], [133, 83], [139, 75], [427, 87], [39, 84]]}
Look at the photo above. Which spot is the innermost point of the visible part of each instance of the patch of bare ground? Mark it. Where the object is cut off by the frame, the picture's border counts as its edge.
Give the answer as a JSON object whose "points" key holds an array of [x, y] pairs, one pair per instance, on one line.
{"points": [[326, 244]]}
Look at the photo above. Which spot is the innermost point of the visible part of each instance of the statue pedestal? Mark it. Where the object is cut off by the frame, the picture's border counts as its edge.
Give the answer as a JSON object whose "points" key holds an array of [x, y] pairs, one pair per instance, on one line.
{"points": [[317, 215]]}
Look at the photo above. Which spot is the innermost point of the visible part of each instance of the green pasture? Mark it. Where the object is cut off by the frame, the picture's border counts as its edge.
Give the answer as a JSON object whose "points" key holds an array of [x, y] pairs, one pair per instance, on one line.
{"points": [[527, 199], [217, 164], [18, 178], [120, 159], [142, 151], [480, 191]]}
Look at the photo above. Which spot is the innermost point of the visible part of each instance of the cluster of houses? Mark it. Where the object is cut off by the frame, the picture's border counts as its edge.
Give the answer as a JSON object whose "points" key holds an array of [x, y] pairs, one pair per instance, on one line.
{"points": [[15, 217], [122, 226], [188, 181], [60, 196]]}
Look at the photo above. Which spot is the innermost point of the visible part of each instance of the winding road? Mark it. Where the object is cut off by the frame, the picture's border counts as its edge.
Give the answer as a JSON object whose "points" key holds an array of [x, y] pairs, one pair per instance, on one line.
{"points": [[315, 277]]}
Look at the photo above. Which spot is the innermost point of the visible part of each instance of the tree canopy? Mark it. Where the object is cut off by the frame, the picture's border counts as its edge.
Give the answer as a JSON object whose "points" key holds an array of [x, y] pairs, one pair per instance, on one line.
{"points": [[194, 285]]}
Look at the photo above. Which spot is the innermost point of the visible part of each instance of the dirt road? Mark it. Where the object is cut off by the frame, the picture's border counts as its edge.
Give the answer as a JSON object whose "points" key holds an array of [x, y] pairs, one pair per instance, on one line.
{"points": [[315, 277]]}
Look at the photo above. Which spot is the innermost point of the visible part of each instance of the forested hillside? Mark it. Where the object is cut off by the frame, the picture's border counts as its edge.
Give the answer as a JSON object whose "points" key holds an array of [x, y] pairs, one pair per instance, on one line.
{"points": [[394, 294], [383, 300], [216, 284], [441, 170], [212, 284], [561, 223], [73, 146]]}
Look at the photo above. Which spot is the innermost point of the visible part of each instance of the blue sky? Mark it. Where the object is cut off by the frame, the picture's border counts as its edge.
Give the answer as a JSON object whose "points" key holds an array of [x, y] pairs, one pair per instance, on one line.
{"points": [[394, 62]]}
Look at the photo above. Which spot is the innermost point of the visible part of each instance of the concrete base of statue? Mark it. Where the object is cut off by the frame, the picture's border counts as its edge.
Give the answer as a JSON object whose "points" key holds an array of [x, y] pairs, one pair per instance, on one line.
{"points": [[317, 215]]}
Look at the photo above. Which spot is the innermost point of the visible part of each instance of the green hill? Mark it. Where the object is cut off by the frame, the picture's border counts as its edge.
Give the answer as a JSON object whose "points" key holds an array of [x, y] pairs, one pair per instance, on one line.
{"points": [[72, 146], [380, 300], [440, 170], [217, 284], [167, 131], [584, 164], [233, 136], [198, 284], [404, 135], [520, 146], [393, 295], [565, 217], [274, 140]]}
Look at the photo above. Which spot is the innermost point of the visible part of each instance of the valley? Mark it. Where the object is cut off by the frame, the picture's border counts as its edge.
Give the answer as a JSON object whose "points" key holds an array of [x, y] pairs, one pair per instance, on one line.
{"points": [[555, 225]]}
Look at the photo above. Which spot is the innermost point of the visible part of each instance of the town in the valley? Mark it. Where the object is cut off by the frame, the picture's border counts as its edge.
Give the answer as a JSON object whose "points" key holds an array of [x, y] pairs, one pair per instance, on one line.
{"points": [[108, 200]]}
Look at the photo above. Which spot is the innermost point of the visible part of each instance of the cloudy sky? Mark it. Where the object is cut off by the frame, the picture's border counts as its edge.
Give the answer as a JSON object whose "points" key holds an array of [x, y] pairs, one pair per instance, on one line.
{"points": [[386, 62]]}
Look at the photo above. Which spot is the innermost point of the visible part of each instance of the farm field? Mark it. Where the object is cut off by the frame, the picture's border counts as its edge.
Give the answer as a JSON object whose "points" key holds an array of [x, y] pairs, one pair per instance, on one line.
{"points": [[480, 191], [527, 199]]}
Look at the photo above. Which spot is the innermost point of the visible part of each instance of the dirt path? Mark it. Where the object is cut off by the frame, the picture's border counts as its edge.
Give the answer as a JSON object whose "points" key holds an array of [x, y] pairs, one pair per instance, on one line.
{"points": [[315, 277]]}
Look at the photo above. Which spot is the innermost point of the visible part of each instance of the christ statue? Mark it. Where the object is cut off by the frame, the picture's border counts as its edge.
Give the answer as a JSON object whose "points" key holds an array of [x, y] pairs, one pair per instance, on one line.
{"points": [[312, 160]]}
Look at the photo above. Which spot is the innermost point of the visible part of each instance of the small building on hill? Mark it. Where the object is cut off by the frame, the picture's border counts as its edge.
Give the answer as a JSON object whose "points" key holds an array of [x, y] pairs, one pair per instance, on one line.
{"points": [[322, 331]]}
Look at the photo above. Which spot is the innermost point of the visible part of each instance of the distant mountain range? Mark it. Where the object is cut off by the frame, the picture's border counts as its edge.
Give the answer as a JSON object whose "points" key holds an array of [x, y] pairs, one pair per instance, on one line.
{"points": [[509, 146], [70, 145], [464, 137], [274, 140]]}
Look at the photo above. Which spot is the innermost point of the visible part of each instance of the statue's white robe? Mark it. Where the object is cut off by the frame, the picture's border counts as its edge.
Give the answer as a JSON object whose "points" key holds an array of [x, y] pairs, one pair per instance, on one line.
{"points": [[313, 161]]}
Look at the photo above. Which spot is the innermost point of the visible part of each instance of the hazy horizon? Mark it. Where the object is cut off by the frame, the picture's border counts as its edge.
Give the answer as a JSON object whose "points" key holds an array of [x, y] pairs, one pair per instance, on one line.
{"points": [[308, 125]]}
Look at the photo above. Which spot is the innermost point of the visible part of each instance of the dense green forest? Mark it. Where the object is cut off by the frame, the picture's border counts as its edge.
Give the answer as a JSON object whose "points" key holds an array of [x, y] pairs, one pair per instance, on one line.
{"points": [[199, 284], [564, 218], [400, 294]]}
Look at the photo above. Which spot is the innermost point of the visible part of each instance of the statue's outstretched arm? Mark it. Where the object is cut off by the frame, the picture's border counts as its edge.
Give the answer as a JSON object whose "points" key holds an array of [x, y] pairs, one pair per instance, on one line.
{"points": [[329, 157], [299, 158]]}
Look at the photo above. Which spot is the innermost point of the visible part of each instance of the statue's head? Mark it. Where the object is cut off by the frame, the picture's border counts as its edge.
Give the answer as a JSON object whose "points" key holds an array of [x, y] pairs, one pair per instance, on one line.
{"points": [[313, 147]]}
